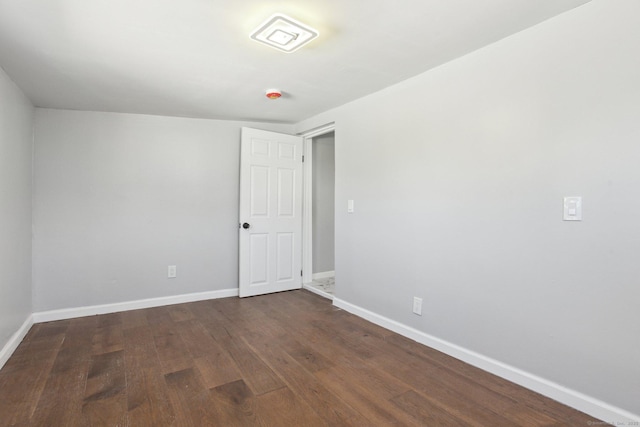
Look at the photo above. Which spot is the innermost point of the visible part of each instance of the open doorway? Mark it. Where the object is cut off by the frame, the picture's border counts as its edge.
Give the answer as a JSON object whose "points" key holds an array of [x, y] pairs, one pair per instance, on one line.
{"points": [[320, 259]]}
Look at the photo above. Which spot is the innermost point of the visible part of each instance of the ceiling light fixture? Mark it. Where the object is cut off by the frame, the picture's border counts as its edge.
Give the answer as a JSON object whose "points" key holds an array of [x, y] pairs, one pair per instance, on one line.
{"points": [[284, 33]]}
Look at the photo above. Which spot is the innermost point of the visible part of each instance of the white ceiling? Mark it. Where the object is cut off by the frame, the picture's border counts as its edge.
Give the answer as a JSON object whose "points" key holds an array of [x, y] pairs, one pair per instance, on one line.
{"points": [[194, 58]]}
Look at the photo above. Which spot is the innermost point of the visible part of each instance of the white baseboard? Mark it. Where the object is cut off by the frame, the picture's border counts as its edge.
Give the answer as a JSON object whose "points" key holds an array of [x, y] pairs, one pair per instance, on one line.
{"points": [[70, 313], [15, 341], [575, 399], [317, 291], [323, 275]]}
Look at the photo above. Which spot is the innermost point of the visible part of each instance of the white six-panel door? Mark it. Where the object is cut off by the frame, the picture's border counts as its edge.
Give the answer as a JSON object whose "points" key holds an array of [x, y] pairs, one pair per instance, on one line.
{"points": [[270, 212]]}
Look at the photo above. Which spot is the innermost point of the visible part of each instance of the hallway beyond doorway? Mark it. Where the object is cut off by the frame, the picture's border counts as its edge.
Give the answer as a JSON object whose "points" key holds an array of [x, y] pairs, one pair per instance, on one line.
{"points": [[322, 286]]}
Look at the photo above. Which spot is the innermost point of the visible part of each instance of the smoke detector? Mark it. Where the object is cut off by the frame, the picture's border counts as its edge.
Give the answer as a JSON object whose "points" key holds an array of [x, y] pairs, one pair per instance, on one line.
{"points": [[284, 33], [273, 93]]}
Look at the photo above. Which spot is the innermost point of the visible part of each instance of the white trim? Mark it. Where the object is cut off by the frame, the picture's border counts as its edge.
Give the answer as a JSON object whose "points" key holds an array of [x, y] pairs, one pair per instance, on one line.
{"points": [[70, 313], [323, 275], [307, 198], [15, 341], [307, 211], [575, 399], [320, 130], [317, 291]]}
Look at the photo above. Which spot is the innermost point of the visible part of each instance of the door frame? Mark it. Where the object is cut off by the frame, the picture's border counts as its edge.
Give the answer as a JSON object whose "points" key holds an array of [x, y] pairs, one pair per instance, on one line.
{"points": [[307, 198]]}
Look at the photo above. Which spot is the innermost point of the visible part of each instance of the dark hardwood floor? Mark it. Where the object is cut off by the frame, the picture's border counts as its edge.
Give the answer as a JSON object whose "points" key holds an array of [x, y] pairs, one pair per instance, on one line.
{"points": [[286, 359]]}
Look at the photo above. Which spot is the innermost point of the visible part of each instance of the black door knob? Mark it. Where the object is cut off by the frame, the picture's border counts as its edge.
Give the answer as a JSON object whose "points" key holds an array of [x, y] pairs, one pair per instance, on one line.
{"points": [[246, 225]]}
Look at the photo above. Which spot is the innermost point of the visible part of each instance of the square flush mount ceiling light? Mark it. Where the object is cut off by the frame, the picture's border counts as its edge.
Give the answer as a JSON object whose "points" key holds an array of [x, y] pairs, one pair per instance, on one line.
{"points": [[284, 33]]}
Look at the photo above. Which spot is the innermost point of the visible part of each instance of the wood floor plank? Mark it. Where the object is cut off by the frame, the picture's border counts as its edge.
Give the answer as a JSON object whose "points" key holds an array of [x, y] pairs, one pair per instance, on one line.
{"points": [[205, 311], [148, 402], [197, 340], [364, 397], [23, 379], [79, 334], [470, 404], [107, 339], [62, 397], [33, 352], [172, 352], [147, 394], [428, 414], [316, 326], [109, 319], [283, 359], [309, 358], [48, 329], [139, 348], [180, 312], [133, 319], [234, 404], [68, 375], [105, 399], [283, 408], [106, 376], [215, 364], [217, 369], [159, 320], [258, 376], [330, 407], [361, 373], [190, 399]]}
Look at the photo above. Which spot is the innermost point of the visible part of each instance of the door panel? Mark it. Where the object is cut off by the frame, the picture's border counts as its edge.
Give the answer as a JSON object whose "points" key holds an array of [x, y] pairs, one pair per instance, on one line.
{"points": [[259, 254], [286, 192], [259, 189], [271, 206], [286, 250]]}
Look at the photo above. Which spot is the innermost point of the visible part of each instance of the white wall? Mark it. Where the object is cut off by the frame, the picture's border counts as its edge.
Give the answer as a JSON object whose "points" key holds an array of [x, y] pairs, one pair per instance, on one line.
{"points": [[119, 197], [458, 177], [16, 147], [323, 193]]}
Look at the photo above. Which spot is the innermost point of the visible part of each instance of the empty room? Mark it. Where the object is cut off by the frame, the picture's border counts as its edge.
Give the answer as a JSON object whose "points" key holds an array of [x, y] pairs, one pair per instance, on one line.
{"points": [[319, 212]]}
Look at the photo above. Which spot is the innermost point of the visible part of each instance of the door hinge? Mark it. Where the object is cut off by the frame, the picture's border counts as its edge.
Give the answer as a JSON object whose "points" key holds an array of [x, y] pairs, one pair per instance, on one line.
{"points": [[302, 159], [300, 273]]}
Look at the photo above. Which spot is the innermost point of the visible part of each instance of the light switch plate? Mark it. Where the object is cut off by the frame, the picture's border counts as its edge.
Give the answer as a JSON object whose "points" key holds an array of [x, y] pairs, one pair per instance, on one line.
{"points": [[572, 209], [350, 206], [172, 272]]}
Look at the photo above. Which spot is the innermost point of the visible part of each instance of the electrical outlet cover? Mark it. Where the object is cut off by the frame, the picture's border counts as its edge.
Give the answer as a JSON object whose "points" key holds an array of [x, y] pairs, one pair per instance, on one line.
{"points": [[417, 306]]}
